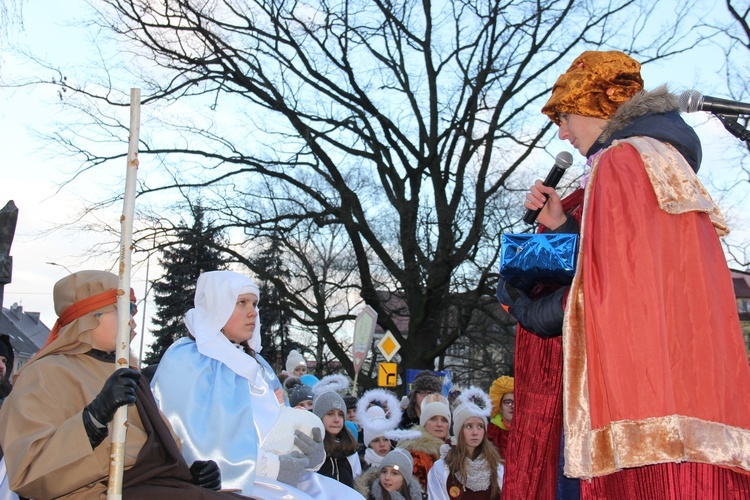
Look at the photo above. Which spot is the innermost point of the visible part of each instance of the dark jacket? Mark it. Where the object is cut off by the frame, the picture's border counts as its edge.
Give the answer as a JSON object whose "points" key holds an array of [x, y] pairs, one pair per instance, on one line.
{"points": [[652, 114], [338, 468]]}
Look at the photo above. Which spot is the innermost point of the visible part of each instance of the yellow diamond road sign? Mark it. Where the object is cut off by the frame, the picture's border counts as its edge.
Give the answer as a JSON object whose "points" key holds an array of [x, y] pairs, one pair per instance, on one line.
{"points": [[388, 346]]}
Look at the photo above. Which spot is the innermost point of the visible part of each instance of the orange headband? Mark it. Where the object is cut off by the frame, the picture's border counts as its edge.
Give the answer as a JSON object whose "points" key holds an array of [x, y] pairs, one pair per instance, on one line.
{"points": [[82, 307]]}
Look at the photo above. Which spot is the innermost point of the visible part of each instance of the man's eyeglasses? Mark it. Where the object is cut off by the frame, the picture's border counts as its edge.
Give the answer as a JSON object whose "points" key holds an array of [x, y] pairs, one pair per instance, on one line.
{"points": [[133, 310], [509, 403]]}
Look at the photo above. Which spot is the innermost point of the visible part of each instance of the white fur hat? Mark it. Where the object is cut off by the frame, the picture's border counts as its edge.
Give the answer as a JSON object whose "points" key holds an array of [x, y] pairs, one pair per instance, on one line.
{"points": [[377, 424], [434, 404], [473, 402], [372, 416], [294, 360]]}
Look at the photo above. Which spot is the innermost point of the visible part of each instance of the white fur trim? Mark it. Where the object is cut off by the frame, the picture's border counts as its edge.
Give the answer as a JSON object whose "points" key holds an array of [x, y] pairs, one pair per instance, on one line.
{"points": [[473, 402], [331, 383], [402, 434], [393, 417], [478, 402]]}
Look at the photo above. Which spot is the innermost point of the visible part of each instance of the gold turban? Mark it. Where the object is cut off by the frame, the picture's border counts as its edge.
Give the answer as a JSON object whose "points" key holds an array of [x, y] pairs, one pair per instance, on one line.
{"points": [[595, 85]]}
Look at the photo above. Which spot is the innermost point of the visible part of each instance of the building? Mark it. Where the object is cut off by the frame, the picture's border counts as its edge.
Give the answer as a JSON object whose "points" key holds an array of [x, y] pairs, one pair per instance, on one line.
{"points": [[26, 331]]}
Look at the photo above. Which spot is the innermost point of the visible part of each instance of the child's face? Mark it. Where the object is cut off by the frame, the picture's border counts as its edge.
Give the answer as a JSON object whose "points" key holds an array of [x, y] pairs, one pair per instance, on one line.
{"points": [[351, 414], [241, 324], [299, 370], [104, 336], [380, 445], [333, 421], [391, 479], [507, 406], [473, 432], [305, 405]]}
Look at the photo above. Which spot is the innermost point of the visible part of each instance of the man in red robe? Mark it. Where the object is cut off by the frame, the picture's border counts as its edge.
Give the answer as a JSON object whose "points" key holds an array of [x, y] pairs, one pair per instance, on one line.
{"points": [[655, 380]]}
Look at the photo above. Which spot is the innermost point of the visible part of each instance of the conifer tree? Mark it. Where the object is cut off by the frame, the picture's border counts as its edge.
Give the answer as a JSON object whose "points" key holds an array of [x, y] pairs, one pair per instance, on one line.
{"points": [[274, 318], [193, 253]]}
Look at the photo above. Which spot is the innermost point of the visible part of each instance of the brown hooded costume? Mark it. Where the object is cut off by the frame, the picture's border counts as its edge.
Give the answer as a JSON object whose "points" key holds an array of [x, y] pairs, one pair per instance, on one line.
{"points": [[47, 449]]}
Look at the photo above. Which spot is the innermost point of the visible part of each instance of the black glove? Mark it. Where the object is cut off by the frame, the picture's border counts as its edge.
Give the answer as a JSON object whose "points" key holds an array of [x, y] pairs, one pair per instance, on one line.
{"points": [[542, 316], [206, 474], [291, 468], [312, 448], [118, 390]]}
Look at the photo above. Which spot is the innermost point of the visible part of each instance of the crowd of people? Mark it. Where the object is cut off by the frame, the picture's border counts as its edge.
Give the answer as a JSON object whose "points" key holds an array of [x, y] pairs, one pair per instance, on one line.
{"points": [[602, 405], [213, 420]]}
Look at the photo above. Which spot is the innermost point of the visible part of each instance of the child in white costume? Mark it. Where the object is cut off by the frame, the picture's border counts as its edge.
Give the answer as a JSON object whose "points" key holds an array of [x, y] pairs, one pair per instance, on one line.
{"points": [[224, 400], [472, 467]]}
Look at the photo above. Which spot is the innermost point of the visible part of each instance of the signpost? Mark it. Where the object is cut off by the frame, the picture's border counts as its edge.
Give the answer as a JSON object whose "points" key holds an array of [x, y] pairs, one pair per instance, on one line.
{"points": [[364, 328]]}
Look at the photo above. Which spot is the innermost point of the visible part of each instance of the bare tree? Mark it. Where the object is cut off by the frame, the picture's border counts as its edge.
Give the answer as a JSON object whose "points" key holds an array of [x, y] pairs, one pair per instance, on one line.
{"points": [[11, 15], [400, 128]]}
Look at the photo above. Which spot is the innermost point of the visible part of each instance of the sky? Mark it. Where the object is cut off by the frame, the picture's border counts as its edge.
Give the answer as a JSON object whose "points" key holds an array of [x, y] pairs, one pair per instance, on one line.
{"points": [[32, 173]]}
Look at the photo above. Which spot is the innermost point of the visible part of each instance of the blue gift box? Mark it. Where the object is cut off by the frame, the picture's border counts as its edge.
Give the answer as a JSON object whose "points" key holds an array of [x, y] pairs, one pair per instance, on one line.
{"points": [[546, 258]]}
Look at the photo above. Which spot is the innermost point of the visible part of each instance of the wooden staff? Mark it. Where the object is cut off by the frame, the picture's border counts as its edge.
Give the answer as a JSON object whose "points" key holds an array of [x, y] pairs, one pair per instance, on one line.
{"points": [[122, 352]]}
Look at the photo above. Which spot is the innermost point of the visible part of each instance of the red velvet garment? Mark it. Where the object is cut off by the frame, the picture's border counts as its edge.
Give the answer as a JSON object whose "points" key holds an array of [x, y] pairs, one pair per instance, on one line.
{"points": [[533, 449], [670, 481], [498, 437]]}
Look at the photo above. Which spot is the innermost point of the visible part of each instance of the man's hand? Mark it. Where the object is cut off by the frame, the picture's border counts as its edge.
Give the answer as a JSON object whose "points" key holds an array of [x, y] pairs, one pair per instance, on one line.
{"points": [[118, 390], [545, 198]]}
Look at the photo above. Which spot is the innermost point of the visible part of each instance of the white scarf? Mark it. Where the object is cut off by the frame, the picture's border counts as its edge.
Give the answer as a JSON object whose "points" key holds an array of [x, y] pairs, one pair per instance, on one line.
{"points": [[215, 298], [372, 458], [479, 474]]}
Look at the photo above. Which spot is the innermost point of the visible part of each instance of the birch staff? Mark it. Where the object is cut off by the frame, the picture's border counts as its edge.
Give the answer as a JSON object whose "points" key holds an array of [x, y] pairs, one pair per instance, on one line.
{"points": [[122, 352]]}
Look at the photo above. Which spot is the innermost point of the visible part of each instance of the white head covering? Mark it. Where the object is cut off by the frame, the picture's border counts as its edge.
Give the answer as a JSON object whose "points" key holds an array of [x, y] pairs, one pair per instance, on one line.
{"points": [[215, 298], [432, 405], [294, 360], [473, 402]]}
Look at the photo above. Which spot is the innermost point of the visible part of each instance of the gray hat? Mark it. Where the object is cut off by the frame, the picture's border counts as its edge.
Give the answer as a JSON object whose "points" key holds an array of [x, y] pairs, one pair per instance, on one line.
{"points": [[297, 391], [400, 459], [327, 401]]}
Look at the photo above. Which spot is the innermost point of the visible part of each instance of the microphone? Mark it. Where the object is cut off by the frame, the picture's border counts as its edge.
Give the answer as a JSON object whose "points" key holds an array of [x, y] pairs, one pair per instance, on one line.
{"points": [[562, 161], [692, 100]]}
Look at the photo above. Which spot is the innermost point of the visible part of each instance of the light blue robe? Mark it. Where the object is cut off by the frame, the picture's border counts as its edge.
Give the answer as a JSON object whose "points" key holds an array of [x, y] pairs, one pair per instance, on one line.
{"points": [[217, 417]]}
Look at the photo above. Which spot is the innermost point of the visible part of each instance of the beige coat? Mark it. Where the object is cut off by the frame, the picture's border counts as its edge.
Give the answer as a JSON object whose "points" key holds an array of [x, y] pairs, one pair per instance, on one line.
{"points": [[47, 451]]}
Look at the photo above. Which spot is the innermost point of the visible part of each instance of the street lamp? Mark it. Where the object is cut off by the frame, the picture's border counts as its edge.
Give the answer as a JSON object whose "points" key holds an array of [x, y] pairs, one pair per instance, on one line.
{"points": [[59, 265]]}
